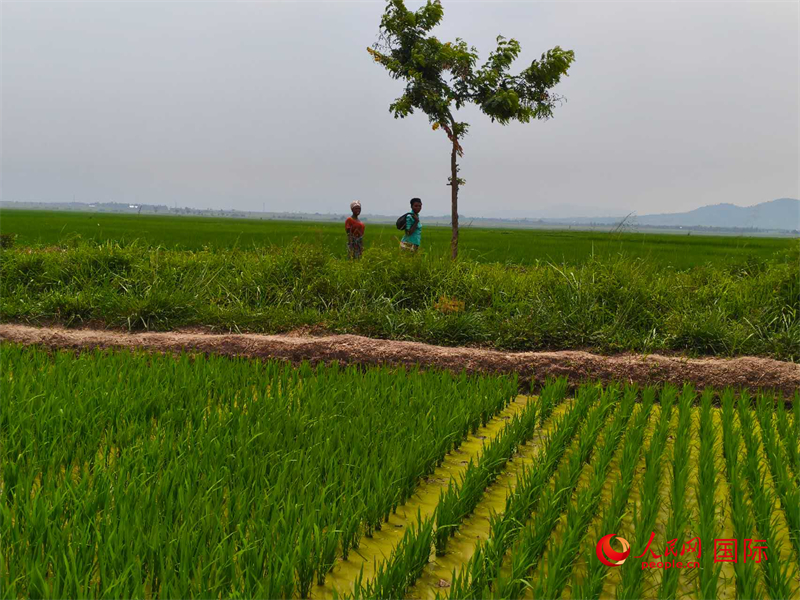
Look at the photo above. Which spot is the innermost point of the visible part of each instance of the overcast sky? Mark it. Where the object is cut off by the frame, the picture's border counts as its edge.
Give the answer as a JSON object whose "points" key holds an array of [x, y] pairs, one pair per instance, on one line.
{"points": [[671, 106]]}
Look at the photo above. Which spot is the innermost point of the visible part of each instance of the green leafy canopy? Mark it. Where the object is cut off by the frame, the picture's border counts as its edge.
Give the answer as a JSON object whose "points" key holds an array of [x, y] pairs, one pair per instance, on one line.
{"points": [[443, 77]]}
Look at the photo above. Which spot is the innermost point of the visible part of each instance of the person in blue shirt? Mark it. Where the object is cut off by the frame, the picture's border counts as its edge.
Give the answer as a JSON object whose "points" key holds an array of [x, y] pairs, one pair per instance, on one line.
{"points": [[413, 235]]}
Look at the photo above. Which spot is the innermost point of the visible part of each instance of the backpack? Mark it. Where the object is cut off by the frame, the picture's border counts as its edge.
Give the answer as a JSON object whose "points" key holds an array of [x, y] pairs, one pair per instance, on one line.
{"points": [[401, 222]]}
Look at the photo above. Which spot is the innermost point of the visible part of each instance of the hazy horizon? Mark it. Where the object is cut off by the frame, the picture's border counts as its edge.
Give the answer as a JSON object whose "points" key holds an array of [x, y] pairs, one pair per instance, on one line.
{"points": [[670, 107]]}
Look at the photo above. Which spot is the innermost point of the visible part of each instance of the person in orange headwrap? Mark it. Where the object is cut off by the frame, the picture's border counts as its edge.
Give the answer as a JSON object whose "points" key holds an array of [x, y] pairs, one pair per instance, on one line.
{"points": [[355, 231]]}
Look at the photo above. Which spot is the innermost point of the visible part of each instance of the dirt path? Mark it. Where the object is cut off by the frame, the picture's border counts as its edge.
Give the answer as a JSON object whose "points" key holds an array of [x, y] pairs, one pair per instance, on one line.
{"points": [[351, 349]]}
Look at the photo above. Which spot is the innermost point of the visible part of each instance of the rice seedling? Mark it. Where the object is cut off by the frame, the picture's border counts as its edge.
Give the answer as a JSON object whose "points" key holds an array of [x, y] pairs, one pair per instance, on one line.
{"points": [[394, 577], [476, 577], [796, 409], [791, 443], [679, 514], [592, 584], [456, 503], [460, 499], [135, 475], [580, 513], [631, 584], [743, 523], [709, 572], [785, 485], [153, 475], [553, 392], [776, 576], [534, 538]]}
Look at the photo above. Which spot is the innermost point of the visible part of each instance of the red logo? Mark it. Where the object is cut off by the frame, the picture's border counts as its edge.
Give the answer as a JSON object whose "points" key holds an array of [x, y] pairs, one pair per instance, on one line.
{"points": [[604, 549]]}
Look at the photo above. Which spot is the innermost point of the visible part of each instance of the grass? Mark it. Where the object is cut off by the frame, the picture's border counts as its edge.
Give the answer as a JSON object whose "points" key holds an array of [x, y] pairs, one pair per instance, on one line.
{"points": [[512, 246], [609, 305]]}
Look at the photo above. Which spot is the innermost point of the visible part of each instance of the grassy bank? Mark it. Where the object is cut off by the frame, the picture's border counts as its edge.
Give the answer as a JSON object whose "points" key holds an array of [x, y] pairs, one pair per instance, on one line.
{"points": [[517, 246], [607, 304]]}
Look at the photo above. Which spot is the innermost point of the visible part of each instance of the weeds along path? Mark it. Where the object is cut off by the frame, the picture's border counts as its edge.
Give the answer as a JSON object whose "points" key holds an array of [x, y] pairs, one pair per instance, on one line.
{"points": [[578, 366]]}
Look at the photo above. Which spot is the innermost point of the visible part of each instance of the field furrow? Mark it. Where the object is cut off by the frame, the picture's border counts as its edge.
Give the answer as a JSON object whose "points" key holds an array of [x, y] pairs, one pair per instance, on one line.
{"points": [[372, 552], [475, 578], [476, 528]]}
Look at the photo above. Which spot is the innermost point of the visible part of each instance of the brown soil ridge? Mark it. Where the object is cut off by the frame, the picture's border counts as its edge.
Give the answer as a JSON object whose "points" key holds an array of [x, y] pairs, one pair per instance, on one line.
{"points": [[578, 366]]}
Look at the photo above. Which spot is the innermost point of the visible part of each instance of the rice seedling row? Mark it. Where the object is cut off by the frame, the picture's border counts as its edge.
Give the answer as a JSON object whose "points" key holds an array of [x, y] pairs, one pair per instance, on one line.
{"points": [[676, 525], [460, 499], [533, 540], [437, 575], [374, 551], [747, 580], [785, 485], [776, 574], [592, 584], [394, 577], [790, 441], [580, 514], [474, 580], [709, 573], [631, 584]]}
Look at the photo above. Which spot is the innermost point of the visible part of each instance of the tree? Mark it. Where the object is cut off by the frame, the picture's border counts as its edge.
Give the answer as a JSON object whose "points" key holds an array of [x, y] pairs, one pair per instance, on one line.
{"points": [[443, 77]]}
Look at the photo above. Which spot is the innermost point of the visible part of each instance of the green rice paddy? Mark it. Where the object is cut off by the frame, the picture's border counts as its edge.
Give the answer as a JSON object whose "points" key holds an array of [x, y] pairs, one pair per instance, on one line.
{"points": [[137, 475], [512, 246]]}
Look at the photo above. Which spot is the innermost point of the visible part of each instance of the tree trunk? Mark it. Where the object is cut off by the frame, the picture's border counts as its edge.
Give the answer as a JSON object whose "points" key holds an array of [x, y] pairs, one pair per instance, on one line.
{"points": [[454, 198]]}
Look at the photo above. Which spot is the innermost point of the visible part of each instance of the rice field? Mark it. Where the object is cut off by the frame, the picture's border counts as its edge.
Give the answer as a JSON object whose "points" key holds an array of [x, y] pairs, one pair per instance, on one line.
{"points": [[485, 245], [145, 475]]}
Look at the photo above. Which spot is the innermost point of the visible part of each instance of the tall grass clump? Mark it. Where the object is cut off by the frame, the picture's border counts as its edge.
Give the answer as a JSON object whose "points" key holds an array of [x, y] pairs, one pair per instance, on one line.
{"points": [[612, 303]]}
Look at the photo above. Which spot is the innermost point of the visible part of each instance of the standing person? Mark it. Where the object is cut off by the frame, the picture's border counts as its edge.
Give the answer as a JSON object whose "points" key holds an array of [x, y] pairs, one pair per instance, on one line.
{"points": [[413, 236], [355, 231]]}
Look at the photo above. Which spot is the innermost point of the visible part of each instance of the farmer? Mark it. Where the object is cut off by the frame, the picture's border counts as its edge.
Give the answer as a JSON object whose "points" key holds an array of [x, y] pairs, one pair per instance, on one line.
{"points": [[355, 231], [413, 236]]}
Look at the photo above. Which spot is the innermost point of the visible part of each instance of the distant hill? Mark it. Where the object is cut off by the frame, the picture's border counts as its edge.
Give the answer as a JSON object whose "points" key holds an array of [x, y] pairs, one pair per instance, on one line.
{"points": [[782, 214]]}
